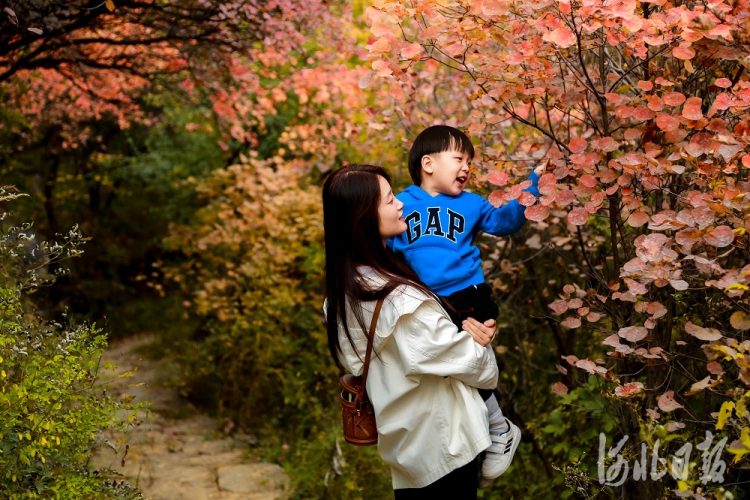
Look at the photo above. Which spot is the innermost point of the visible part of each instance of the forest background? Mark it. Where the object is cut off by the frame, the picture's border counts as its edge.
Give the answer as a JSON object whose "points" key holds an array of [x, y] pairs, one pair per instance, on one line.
{"points": [[170, 155]]}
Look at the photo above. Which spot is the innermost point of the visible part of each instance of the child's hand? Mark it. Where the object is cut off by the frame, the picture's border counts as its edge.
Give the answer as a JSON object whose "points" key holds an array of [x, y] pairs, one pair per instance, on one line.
{"points": [[481, 333], [543, 168]]}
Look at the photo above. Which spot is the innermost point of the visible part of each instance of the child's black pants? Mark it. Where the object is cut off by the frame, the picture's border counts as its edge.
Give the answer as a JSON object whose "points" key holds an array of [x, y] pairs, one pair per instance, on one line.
{"points": [[476, 302]]}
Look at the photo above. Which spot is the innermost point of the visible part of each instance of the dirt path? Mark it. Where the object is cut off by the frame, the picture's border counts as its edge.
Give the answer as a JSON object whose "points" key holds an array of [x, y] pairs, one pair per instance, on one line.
{"points": [[176, 453]]}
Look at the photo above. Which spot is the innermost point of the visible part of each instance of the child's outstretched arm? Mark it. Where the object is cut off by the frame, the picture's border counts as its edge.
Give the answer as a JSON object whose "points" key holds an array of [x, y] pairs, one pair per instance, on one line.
{"points": [[509, 218]]}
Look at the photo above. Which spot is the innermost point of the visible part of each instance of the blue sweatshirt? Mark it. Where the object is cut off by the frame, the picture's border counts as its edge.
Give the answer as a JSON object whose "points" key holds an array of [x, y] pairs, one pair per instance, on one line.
{"points": [[438, 242]]}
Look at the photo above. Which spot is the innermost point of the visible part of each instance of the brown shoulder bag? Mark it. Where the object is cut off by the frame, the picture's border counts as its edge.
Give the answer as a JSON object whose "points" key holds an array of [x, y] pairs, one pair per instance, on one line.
{"points": [[356, 408]]}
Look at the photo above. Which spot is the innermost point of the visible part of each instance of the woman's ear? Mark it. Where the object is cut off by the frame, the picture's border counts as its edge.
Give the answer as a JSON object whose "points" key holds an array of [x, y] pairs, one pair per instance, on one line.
{"points": [[427, 166]]}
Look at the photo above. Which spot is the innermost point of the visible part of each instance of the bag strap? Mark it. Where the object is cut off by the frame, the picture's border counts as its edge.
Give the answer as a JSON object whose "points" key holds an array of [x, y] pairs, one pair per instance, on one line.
{"points": [[370, 342]]}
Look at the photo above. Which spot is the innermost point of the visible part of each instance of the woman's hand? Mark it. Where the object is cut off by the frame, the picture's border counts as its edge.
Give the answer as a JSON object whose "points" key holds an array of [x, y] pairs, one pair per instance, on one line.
{"points": [[482, 333]]}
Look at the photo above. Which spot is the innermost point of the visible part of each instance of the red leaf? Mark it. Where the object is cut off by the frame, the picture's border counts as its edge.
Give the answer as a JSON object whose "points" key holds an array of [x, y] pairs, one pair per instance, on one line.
{"points": [[571, 323], [546, 184], [498, 178], [629, 390], [411, 51], [714, 368], [656, 309], [577, 145], [575, 303], [653, 414], [588, 181], [707, 334], [667, 402], [560, 389], [645, 85], [11, 15], [633, 333], [561, 36], [674, 99], [564, 197], [679, 284], [537, 213], [655, 103], [382, 68], [724, 83], [720, 236], [496, 198], [526, 199], [587, 365], [642, 113], [36, 31], [667, 122], [637, 219], [684, 53], [607, 144], [578, 216], [613, 98], [692, 112], [559, 306], [593, 317]]}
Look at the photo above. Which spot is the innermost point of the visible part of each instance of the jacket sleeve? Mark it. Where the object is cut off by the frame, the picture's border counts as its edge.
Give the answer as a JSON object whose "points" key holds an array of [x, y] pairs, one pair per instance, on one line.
{"points": [[509, 218], [434, 346]]}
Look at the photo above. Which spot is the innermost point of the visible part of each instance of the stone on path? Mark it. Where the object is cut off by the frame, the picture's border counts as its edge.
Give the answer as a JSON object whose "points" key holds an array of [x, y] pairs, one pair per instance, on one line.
{"points": [[176, 453], [252, 478]]}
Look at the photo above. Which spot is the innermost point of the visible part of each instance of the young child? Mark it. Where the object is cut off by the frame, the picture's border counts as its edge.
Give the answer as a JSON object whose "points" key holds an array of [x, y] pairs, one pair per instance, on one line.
{"points": [[442, 222]]}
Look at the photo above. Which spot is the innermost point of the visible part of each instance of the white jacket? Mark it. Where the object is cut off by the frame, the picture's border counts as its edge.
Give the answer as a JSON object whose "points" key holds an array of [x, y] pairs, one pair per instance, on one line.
{"points": [[430, 417]]}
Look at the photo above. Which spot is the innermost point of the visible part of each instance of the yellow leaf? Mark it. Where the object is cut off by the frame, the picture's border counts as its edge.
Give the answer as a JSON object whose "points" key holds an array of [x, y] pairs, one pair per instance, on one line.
{"points": [[738, 454], [740, 230], [110, 5], [736, 286], [745, 437], [741, 408], [682, 485], [726, 410]]}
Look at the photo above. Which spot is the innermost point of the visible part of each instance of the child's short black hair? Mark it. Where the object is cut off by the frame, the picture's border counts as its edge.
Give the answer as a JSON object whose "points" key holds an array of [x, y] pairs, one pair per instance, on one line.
{"points": [[436, 139]]}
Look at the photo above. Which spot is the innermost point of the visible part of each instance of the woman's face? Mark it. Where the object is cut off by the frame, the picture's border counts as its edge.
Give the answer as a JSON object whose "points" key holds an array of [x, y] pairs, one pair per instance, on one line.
{"points": [[390, 216]]}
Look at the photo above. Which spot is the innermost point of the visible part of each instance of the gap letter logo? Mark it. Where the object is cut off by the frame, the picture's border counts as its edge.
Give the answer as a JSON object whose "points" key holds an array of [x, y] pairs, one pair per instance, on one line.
{"points": [[433, 226]]}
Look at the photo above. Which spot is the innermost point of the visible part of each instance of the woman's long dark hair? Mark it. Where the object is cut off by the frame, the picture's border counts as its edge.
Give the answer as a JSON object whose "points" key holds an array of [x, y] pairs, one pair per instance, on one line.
{"points": [[351, 197]]}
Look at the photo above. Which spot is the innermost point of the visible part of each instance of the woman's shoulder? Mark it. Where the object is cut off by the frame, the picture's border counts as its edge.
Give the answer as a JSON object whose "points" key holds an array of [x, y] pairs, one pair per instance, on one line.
{"points": [[405, 299]]}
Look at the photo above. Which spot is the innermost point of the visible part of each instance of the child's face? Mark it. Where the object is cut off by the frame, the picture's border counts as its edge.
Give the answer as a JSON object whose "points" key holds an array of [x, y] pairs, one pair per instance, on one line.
{"points": [[445, 173]]}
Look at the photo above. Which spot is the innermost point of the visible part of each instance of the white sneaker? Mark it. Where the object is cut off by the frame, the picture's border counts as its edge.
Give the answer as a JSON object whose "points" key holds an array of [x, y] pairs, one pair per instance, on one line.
{"points": [[498, 457]]}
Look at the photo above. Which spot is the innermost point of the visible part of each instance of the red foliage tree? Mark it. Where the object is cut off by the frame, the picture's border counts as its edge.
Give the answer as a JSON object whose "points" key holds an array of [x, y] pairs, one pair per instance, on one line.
{"points": [[641, 108]]}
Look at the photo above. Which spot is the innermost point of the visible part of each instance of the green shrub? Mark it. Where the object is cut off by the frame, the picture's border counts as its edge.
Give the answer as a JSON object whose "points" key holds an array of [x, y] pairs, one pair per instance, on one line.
{"points": [[51, 410]]}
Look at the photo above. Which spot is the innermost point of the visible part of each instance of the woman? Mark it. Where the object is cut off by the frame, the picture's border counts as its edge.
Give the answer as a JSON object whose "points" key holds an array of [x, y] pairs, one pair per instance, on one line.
{"points": [[424, 374]]}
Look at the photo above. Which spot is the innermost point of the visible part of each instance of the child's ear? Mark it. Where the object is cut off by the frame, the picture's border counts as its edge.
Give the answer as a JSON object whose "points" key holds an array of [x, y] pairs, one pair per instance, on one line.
{"points": [[427, 166]]}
